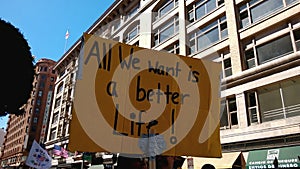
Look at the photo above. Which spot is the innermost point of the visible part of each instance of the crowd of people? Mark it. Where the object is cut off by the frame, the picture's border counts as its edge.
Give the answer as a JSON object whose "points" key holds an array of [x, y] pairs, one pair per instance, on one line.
{"points": [[161, 162]]}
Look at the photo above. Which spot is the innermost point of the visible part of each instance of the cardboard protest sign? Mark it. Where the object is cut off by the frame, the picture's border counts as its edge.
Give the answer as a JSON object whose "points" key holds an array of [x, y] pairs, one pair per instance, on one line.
{"points": [[123, 92]]}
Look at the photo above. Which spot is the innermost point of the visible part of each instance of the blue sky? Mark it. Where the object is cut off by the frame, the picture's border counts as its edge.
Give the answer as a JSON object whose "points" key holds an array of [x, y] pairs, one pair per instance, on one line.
{"points": [[44, 24]]}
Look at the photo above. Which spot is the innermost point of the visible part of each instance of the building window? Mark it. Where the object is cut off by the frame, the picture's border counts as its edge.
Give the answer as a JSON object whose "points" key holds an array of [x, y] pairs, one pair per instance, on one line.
{"points": [[40, 94], [43, 77], [50, 87], [116, 23], [250, 59], [42, 85], [227, 67], [132, 33], [166, 8], [174, 48], [201, 8], [166, 31], [229, 113], [285, 101], [60, 88], [252, 107], [33, 128], [51, 79], [263, 53], [297, 38], [208, 35], [52, 134], [35, 120], [38, 102], [55, 118], [255, 10], [37, 110], [274, 49], [61, 73], [132, 12], [57, 102]]}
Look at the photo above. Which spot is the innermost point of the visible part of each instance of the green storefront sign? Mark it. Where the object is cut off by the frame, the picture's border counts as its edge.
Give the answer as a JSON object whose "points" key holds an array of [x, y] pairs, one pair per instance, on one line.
{"points": [[287, 157]]}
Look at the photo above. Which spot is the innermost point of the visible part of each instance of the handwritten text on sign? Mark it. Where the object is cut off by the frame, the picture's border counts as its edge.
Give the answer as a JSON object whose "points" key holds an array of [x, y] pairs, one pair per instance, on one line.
{"points": [[121, 88]]}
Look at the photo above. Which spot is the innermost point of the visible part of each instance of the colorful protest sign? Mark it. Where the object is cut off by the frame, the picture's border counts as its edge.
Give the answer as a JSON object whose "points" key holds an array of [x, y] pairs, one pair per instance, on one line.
{"points": [[121, 90]]}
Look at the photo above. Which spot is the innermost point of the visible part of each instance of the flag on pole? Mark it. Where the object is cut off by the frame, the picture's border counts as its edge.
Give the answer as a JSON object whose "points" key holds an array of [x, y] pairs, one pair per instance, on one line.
{"points": [[38, 157], [57, 150], [67, 34], [64, 153]]}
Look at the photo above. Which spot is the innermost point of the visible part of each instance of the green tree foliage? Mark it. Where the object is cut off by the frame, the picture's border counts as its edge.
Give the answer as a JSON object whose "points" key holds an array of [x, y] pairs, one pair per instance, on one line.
{"points": [[16, 70]]}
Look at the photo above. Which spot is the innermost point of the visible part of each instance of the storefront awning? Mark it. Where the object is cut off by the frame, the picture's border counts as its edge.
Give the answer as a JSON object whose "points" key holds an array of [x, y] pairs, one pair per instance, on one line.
{"points": [[227, 161], [287, 157]]}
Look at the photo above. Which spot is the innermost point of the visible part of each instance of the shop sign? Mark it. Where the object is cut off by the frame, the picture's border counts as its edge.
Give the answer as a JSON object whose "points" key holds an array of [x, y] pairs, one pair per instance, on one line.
{"points": [[287, 157]]}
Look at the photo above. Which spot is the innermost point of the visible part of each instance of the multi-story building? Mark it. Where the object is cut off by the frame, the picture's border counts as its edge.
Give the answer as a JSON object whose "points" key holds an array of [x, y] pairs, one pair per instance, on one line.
{"points": [[2, 134], [256, 41], [32, 125]]}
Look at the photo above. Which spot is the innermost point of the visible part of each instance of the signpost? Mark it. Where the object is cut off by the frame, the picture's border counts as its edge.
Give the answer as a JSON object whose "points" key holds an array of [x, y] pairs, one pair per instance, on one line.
{"points": [[120, 89]]}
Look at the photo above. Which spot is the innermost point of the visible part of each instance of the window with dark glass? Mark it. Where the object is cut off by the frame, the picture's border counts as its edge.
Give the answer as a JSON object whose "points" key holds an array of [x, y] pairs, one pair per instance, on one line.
{"points": [[37, 110], [224, 122], [38, 102], [227, 67], [50, 87], [250, 59], [33, 128], [266, 52], [297, 38], [233, 111], [40, 94], [252, 107], [42, 85], [60, 88], [35, 120], [173, 48], [274, 49], [52, 134], [229, 113], [43, 77]]}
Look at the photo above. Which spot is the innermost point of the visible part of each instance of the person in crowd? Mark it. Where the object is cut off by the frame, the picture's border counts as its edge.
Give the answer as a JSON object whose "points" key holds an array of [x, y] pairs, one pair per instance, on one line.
{"points": [[208, 166]]}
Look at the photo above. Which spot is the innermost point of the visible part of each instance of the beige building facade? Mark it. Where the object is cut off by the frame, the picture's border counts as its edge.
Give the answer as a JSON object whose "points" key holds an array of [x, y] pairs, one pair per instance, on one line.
{"points": [[256, 41]]}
